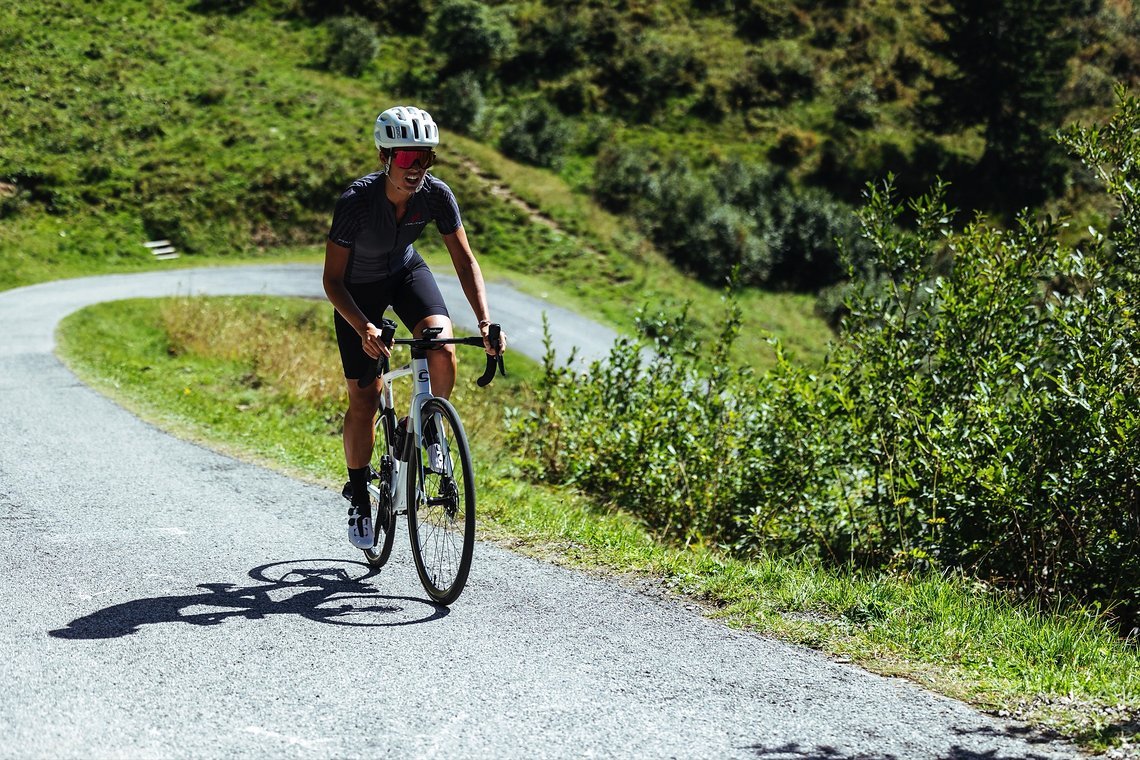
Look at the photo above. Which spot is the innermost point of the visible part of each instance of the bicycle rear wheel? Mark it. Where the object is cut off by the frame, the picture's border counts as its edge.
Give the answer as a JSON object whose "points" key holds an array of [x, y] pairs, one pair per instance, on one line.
{"points": [[441, 503], [383, 516]]}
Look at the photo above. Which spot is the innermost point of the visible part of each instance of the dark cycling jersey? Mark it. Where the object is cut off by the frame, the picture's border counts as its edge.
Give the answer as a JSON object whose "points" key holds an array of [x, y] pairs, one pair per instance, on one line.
{"points": [[365, 222]]}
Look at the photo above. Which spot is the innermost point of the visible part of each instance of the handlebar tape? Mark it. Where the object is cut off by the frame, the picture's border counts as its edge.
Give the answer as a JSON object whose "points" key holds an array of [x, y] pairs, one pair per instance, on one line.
{"points": [[493, 337]]}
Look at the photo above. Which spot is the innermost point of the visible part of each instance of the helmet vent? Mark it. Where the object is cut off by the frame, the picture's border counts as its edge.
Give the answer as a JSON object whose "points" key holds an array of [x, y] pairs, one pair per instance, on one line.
{"points": [[416, 128]]}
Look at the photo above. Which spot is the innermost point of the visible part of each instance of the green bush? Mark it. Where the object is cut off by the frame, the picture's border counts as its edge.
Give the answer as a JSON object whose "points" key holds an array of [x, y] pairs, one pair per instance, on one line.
{"points": [[763, 19], [979, 412], [857, 106], [406, 17], [622, 175], [470, 36], [461, 103], [740, 217], [775, 74], [352, 45], [997, 404], [536, 133], [646, 72]]}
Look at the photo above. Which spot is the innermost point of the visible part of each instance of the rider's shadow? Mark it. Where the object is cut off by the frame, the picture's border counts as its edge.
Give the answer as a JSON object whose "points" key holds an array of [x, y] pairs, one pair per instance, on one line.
{"points": [[326, 591]]}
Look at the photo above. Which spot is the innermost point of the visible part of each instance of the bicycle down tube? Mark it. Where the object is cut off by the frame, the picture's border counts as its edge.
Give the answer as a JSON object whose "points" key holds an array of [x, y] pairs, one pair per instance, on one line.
{"points": [[421, 392]]}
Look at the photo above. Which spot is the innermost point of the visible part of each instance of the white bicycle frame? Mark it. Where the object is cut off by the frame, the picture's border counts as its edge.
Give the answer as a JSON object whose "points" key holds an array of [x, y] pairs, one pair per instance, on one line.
{"points": [[421, 392]]}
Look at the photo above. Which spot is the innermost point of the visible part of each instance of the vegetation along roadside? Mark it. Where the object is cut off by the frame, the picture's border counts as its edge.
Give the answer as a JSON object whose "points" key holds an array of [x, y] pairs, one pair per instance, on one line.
{"points": [[200, 367]]}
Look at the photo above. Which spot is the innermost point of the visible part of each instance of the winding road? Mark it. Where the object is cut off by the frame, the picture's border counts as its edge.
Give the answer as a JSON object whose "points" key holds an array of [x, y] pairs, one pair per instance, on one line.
{"points": [[162, 600]]}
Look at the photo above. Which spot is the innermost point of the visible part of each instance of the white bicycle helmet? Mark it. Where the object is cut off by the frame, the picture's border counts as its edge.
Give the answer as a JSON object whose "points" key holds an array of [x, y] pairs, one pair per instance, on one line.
{"points": [[405, 127]]}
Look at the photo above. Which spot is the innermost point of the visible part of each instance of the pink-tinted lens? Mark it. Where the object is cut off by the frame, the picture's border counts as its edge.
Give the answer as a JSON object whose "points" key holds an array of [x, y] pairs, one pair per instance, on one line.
{"points": [[406, 159]]}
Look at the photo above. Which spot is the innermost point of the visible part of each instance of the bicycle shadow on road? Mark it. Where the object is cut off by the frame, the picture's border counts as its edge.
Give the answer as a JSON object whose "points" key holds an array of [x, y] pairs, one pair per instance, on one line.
{"points": [[323, 590]]}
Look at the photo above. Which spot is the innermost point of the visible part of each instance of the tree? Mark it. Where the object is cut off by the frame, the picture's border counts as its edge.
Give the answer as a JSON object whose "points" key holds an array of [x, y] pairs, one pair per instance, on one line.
{"points": [[1009, 62]]}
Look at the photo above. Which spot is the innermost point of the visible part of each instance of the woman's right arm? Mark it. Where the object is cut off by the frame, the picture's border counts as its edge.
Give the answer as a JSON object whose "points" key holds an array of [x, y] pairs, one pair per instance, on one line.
{"points": [[336, 263]]}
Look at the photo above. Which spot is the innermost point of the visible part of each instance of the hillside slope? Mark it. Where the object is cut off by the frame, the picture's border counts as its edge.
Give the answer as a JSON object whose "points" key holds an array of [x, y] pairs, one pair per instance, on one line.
{"points": [[221, 132]]}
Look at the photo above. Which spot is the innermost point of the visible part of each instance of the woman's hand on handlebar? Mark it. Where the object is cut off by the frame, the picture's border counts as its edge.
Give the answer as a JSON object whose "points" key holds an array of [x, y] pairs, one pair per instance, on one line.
{"points": [[371, 342], [490, 349]]}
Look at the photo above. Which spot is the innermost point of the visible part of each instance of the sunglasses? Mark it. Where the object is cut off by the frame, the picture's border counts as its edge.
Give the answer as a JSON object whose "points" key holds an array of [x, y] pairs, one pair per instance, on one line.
{"points": [[406, 159]]}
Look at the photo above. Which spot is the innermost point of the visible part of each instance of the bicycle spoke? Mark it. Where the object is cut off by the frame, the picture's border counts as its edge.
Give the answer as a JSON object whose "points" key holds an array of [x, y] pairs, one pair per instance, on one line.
{"points": [[444, 519]]}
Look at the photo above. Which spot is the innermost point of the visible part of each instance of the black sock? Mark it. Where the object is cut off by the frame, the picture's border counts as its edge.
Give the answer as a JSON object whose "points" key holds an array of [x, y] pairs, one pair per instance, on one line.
{"points": [[358, 477]]}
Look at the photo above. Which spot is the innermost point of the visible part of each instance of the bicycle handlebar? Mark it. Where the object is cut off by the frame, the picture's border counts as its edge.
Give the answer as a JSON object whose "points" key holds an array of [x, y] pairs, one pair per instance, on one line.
{"points": [[388, 330], [493, 335]]}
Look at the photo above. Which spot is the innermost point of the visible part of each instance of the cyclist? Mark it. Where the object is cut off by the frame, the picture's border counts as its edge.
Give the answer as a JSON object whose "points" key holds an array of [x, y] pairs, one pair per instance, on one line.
{"points": [[371, 264]]}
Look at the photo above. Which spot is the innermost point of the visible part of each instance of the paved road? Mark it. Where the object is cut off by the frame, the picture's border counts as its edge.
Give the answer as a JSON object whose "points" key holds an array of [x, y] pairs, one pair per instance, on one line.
{"points": [[162, 600]]}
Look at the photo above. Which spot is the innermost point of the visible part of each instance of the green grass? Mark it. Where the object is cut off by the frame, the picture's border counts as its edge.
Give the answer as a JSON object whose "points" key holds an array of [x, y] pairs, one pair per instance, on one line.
{"points": [[1066, 670], [124, 122]]}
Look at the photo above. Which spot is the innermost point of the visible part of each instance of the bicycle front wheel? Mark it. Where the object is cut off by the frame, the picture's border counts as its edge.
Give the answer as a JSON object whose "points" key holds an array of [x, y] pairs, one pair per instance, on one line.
{"points": [[441, 503]]}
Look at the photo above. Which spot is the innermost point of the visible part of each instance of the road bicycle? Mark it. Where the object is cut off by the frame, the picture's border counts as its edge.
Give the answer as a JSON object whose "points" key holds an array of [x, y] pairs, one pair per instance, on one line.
{"points": [[424, 468]]}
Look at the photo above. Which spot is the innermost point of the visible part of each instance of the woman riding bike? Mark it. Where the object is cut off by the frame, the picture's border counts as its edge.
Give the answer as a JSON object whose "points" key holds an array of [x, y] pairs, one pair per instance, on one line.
{"points": [[370, 264]]}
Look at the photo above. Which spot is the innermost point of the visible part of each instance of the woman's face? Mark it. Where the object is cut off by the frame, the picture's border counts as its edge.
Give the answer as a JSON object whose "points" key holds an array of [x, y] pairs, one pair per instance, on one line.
{"points": [[407, 167]]}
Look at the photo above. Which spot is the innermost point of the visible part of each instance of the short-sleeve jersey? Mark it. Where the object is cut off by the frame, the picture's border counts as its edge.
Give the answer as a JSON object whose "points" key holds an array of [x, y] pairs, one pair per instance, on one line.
{"points": [[364, 221]]}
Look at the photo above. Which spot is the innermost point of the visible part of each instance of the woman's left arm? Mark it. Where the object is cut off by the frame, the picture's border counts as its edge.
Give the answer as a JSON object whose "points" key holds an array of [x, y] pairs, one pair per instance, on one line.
{"points": [[471, 278]]}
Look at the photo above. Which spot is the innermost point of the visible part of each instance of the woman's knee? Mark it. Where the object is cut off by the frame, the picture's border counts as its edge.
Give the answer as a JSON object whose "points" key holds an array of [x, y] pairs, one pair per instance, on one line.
{"points": [[442, 358], [362, 401]]}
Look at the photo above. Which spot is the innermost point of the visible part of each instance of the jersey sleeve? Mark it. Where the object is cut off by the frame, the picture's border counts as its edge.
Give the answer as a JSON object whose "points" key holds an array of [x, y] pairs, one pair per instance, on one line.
{"points": [[347, 218], [444, 209]]}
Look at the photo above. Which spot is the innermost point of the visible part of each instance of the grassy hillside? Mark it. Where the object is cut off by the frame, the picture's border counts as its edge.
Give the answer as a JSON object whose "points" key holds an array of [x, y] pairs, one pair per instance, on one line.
{"points": [[221, 132], [716, 133]]}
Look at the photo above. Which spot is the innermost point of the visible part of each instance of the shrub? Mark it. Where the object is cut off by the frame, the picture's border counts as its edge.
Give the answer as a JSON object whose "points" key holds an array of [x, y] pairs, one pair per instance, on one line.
{"points": [[407, 17], [644, 73], [812, 229], [763, 19], [352, 45], [575, 93], [536, 133], [775, 74], [857, 105], [622, 175], [996, 401], [683, 449], [472, 36], [792, 146], [461, 105], [739, 217]]}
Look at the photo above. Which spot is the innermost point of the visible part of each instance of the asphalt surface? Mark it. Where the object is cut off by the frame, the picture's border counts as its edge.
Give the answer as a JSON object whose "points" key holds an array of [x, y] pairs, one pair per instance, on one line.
{"points": [[162, 600]]}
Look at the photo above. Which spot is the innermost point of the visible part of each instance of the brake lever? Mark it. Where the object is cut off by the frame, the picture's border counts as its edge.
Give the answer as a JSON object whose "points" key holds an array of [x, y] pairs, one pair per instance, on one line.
{"points": [[387, 332], [494, 337]]}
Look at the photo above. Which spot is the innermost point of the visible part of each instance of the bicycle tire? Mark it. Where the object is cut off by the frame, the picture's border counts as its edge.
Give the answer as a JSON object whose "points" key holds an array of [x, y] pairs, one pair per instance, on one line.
{"points": [[441, 508], [384, 529]]}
